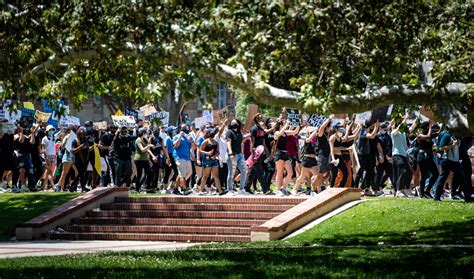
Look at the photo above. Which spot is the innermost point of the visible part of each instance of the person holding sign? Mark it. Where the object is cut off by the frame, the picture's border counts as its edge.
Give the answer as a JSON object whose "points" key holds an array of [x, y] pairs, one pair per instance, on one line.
{"points": [[49, 151], [282, 160], [308, 163], [337, 161], [24, 144]]}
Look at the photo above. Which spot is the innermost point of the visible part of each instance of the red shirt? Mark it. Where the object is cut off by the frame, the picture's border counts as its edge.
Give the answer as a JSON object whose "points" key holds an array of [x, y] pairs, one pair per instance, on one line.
{"points": [[292, 145]]}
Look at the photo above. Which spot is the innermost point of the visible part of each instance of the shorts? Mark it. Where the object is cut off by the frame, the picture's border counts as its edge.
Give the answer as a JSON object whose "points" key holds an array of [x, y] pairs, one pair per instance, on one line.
{"points": [[323, 164], [281, 155], [309, 162], [210, 163], [68, 157], [185, 168], [295, 159]]}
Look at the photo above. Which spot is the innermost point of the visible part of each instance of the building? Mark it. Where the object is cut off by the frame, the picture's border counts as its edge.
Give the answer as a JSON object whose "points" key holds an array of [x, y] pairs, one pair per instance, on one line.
{"points": [[224, 96]]}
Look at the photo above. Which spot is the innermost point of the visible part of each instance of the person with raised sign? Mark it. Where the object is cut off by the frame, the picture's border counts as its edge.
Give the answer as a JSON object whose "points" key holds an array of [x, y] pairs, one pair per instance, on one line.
{"points": [[337, 161], [308, 162], [282, 160]]}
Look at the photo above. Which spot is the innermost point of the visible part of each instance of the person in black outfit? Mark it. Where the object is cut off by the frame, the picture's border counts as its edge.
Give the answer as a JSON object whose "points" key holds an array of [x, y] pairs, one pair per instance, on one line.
{"points": [[367, 133], [8, 158], [466, 143], [105, 144], [428, 169], [337, 161], [122, 152], [93, 137], [269, 163], [80, 149], [160, 157], [384, 169]]}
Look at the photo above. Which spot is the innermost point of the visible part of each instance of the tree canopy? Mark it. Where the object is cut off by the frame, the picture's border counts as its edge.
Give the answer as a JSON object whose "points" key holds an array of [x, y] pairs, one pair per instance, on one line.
{"points": [[319, 56]]}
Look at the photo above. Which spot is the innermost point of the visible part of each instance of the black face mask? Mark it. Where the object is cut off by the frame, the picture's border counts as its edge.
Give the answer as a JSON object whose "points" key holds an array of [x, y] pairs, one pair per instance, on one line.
{"points": [[235, 126], [185, 131]]}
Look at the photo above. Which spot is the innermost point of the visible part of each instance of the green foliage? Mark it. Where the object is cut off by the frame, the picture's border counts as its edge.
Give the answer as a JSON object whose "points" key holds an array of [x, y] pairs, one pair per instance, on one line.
{"points": [[19, 208], [243, 99]]}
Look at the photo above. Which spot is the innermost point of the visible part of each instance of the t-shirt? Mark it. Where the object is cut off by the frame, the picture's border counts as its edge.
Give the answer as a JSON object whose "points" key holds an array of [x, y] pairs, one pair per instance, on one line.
{"points": [[323, 146], [258, 134], [236, 141], [49, 148], [364, 144], [183, 151], [386, 143], [269, 138], [199, 141], [140, 155], [6, 145], [106, 139], [82, 156], [169, 145], [222, 142], [122, 147], [158, 143], [400, 146], [451, 154]]}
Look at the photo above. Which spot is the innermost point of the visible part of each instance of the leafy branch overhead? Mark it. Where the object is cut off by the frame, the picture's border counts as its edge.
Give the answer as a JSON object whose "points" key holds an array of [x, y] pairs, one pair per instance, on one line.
{"points": [[340, 56]]}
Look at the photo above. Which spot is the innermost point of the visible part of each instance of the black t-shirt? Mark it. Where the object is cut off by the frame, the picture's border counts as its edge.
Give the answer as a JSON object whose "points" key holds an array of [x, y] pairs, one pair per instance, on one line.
{"points": [[92, 137], [323, 146], [269, 140], [6, 145], [236, 141], [158, 143], [364, 145], [25, 147], [373, 146], [258, 134], [281, 142], [386, 143], [82, 156], [309, 148], [122, 147], [106, 140]]}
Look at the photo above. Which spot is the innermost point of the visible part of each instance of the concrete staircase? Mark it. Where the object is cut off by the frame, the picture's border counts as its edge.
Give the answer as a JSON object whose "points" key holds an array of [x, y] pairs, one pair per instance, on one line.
{"points": [[174, 218]]}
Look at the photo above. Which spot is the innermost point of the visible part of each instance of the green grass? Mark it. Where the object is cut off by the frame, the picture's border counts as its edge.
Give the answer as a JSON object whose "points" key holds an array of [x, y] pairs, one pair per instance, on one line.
{"points": [[21, 207], [250, 263]]}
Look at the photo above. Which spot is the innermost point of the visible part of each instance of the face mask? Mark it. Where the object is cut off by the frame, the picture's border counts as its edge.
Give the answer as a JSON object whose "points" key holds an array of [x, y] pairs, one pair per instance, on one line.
{"points": [[50, 134], [383, 132]]}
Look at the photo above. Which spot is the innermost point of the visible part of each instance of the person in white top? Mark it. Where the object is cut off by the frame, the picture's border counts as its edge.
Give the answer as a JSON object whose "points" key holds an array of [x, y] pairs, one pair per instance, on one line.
{"points": [[48, 150], [67, 158], [222, 143]]}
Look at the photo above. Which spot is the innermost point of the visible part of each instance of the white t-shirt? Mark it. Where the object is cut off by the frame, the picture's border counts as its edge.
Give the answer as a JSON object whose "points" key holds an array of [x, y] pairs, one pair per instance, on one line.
{"points": [[222, 143], [163, 136], [72, 136], [48, 146]]}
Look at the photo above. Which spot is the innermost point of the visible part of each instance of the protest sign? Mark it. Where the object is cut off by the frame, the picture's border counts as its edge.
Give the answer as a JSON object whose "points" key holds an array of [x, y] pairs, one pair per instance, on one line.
{"points": [[29, 105], [132, 112], [100, 125], [251, 111], [208, 115], [162, 116], [379, 114], [316, 120], [200, 121], [123, 121], [293, 117], [66, 120], [7, 128], [42, 116], [428, 112], [227, 112], [147, 110], [118, 112], [27, 118], [361, 118], [8, 113]]}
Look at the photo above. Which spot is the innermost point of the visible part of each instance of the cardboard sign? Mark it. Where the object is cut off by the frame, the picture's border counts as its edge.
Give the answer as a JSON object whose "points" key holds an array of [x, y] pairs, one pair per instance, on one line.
{"points": [[148, 109], [251, 111], [42, 116], [100, 125], [293, 117], [7, 128], [123, 121], [131, 112], [428, 112], [66, 120], [162, 116], [208, 115], [316, 120], [200, 121], [228, 111]]}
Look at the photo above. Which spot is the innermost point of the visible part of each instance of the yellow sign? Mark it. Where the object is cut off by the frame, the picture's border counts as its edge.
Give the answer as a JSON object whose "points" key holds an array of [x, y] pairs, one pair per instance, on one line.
{"points": [[29, 105], [42, 116], [118, 112]]}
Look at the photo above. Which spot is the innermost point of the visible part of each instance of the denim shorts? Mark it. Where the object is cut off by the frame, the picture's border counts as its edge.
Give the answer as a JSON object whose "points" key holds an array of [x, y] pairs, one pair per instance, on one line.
{"points": [[210, 163], [67, 157]]}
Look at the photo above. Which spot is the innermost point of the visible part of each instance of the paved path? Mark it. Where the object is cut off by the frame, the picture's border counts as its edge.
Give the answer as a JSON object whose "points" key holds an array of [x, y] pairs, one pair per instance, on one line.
{"points": [[52, 247]]}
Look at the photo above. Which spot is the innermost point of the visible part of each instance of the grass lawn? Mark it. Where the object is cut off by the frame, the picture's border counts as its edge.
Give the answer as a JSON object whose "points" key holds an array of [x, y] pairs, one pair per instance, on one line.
{"points": [[308, 262], [21, 207]]}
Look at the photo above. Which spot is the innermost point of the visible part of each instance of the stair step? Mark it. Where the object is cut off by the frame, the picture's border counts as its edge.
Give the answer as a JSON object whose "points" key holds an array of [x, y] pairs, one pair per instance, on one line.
{"points": [[157, 229], [197, 206], [209, 200], [183, 214], [150, 237], [168, 221]]}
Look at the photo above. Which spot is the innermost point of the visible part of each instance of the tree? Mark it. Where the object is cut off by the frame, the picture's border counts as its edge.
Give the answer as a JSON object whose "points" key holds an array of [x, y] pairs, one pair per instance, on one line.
{"points": [[334, 56]]}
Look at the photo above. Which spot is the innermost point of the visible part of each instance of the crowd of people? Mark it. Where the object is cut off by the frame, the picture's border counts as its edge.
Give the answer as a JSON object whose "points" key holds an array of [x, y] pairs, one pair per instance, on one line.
{"points": [[273, 157]]}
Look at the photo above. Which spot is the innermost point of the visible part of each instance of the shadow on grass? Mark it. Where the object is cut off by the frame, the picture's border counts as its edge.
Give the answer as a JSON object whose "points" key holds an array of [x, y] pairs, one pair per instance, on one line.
{"points": [[21, 207], [251, 263], [444, 233]]}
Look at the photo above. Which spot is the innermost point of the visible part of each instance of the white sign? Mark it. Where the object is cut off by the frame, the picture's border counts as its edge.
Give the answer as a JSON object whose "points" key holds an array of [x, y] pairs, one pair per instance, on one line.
{"points": [[7, 128], [362, 117], [200, 121], [123, 120], [208, 115], [316, 120], [66, 120], [10, 116], [162, 116]]}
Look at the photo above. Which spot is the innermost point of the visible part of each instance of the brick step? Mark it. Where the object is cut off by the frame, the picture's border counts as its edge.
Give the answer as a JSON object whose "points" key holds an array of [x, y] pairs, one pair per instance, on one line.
{"points": [[198, 207], [150, 237], [183, 214], [158, 229], [168, 221], [208, 200]]}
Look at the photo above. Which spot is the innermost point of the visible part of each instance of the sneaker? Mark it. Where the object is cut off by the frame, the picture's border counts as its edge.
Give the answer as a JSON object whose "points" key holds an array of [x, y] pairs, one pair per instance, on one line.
{"points": [[408, 193], [202, 193], [4, 185], [400, 194], [428, 194], [368, 193], [164, 192], [243, 192], [16, 190], [223, 192], [313, 194], [230, 193], [285, 192], [280, 193], [308, 192], [24, 189], [132, 191], [294, 192], [269, 192], [456, 197]]}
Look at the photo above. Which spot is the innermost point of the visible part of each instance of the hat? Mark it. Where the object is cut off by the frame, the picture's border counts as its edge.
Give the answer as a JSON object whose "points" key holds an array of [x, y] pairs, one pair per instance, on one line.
{"points": [[141, 131], [49, 127], [88, 123], [170, 129]]}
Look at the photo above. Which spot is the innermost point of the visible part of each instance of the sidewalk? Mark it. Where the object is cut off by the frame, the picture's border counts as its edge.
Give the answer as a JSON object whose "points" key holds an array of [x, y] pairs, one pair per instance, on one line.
{"points": [[53, 247]]}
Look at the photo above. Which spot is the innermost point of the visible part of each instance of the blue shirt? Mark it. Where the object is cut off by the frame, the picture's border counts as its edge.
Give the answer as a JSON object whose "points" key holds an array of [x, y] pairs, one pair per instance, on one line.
{"points": [[183, 152], [446, 139], [399, 144], [198, 143], [169, 144]]}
